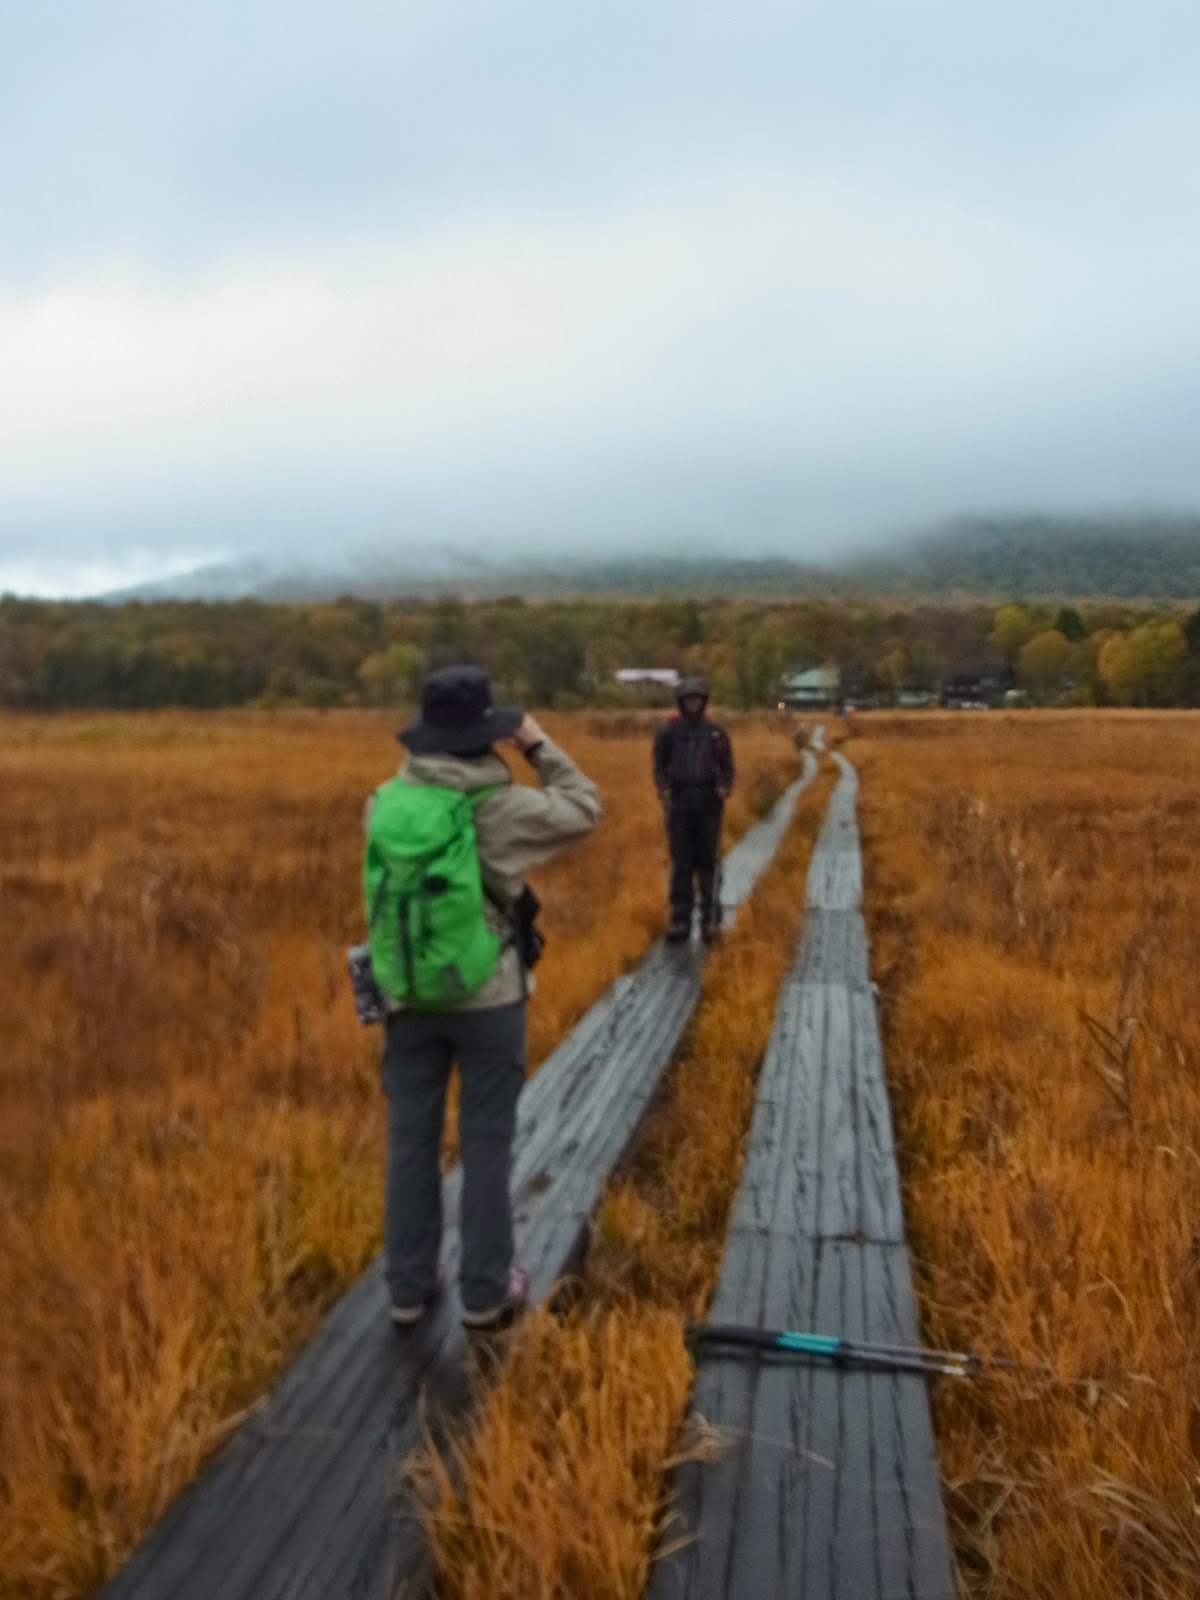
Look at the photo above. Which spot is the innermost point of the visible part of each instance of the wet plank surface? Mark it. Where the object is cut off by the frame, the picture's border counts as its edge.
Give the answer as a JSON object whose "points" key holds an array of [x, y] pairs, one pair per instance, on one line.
{"points": [[827, 1485], [307, 1499]]}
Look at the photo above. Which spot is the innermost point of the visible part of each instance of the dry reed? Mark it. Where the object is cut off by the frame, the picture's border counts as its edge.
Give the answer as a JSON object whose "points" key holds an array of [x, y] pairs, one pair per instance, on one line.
{"points": [[190, 1120], [1034, 895]]}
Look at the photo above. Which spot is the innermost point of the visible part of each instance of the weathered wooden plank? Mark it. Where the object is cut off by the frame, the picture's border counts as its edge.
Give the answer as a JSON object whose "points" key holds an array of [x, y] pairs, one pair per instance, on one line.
{"points": [[599, 1123], [839, 1533], [799, 1168], [834, 948], [775, 1135], [820, 1157], [767, 1544], [305, 1500], [839, 1209], [911, 1533], [829, 1489], [707, 1496], [882, 1215]]}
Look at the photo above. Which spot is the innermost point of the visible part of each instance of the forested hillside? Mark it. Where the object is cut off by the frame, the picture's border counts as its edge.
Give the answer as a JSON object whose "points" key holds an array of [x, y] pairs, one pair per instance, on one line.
{"points": [[565, 653], [1003, 558], [997, 558], [1039, 557]]}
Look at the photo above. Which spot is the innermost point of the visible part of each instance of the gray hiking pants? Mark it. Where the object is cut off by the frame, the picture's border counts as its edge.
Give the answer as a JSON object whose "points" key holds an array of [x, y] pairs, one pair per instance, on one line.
{"points": [[420, 1048]]}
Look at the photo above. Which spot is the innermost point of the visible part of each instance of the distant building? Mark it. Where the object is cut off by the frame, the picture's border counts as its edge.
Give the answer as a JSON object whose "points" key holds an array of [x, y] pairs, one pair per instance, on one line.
{"points": [[818, 689], [976, 688], [652, 686], [667, 677]]}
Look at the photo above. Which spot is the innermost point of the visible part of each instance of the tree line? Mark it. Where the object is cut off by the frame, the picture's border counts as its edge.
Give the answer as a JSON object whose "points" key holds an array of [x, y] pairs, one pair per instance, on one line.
{"points": [[564, 654]]}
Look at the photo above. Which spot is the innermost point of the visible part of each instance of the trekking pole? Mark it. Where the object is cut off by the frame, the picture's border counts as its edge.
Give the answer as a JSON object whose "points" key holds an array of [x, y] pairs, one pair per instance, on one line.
{"points": [[850, 1352]]}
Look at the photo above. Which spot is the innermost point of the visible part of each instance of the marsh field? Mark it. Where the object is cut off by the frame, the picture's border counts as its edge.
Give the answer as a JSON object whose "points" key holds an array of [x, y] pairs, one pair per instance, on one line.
{"points": [[1033, 901], [191, 1130], [190, 1116]]}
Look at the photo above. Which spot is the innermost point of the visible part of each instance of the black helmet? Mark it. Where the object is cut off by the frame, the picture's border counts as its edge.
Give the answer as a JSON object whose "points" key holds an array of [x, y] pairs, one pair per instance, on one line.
{"points": [[691, 686]]}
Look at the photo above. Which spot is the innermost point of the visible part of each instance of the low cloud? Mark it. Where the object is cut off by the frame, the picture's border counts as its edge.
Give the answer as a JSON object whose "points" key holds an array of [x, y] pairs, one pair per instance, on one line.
{"points": [[810, 353]]}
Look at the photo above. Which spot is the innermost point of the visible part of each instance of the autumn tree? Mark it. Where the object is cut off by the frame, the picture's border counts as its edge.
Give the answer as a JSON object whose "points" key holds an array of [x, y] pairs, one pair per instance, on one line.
{"points": [[1146, 666], [1012, 629], [392, 675], [1043, 662], [1158, 651], [892, 671], [1115, 666]]}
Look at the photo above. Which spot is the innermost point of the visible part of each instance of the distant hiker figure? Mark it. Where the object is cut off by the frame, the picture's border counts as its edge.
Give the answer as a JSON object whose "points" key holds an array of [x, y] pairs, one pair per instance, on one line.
{"points": [[693, 773], [449, 842]]}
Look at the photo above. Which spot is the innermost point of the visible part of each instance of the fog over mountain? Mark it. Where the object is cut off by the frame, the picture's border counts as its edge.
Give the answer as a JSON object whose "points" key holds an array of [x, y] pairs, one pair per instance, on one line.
{"points": [[1146, 557]]}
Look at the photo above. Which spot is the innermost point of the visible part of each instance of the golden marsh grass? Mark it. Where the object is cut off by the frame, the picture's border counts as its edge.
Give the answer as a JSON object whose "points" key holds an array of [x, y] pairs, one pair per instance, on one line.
{"points": [[190, 1117], [1034, 898]]}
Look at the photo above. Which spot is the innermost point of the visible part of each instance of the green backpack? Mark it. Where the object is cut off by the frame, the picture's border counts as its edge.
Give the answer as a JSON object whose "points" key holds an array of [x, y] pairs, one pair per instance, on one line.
{"points": [[430, 945]]}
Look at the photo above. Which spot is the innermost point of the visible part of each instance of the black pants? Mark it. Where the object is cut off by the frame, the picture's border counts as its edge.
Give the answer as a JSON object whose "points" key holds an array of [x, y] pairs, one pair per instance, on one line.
{"points": [[694, 837]]}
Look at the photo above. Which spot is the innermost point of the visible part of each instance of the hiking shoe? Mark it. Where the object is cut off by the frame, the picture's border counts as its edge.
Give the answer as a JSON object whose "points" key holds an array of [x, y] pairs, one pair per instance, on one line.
{"points": [[711, 933], [505, 1312], [407, 1316], [678, 932]]}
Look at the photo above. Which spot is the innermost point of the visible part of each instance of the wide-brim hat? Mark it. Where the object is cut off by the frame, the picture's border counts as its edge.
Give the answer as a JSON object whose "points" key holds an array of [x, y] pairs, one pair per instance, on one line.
{"points": [[458, 715]]}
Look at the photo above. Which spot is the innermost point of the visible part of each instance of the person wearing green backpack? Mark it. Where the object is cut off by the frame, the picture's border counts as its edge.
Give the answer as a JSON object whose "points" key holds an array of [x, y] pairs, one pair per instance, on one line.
{"points": [[449, 843]]}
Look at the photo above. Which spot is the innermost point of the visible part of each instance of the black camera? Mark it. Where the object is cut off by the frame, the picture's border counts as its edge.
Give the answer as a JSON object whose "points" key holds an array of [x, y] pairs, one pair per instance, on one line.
{"points": [[531, 941]]}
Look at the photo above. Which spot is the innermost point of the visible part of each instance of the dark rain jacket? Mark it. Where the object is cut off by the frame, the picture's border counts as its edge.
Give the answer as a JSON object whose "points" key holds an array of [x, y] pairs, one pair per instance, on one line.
{"points": [[693, 763]]}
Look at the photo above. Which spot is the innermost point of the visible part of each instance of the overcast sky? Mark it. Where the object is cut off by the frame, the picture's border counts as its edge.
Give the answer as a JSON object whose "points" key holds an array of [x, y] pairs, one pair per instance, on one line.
{"points": [[307, 277]]}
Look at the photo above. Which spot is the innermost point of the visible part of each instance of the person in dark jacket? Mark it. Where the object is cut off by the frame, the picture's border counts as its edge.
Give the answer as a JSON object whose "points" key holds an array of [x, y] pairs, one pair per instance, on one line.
{"points": [[693, 773]]}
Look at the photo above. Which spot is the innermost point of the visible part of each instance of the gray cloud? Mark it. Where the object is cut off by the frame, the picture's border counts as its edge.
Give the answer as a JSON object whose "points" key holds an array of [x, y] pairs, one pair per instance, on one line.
{"points": [[272, 275]]}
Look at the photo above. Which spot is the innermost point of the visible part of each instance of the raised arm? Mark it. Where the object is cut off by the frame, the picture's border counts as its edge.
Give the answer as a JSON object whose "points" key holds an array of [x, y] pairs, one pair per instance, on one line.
{"points": [[521, 828]]}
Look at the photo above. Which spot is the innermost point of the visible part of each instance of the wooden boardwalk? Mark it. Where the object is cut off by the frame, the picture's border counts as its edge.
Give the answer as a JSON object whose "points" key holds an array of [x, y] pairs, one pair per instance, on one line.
{"points": [[306, 1500], [828, 1488]]}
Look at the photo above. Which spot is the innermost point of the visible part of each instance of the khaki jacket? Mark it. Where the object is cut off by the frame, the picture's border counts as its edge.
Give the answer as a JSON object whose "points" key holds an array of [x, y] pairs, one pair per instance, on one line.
{"points": [[517, 829]]}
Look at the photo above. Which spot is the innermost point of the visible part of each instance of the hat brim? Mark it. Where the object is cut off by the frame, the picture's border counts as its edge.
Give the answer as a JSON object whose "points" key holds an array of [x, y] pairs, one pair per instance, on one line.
{"points": [[424, 739]]}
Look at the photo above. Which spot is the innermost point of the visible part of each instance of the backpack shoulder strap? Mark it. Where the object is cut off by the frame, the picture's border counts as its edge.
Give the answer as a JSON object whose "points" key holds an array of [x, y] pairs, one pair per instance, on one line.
{"points": [[475, 799], [477, 796], [505, 909]]}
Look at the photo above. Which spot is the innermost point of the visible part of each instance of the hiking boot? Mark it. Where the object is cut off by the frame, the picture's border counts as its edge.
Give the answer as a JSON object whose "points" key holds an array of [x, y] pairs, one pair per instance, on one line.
{"points": [[408, 1315], [493, 1319], [711, 933], [678, 932]]}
